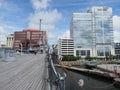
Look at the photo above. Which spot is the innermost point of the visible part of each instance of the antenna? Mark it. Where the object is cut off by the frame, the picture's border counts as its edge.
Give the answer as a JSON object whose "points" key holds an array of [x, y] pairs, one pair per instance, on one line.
{"points": [[40, 25]]}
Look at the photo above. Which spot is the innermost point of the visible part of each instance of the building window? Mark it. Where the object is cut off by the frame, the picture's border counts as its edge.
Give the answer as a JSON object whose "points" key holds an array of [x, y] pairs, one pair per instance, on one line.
{"points": [[83, 53], [88, 52], [77, 52]]}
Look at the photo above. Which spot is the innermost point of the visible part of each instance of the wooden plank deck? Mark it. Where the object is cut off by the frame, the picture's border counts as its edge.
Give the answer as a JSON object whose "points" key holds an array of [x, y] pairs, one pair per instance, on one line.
{"points": [[27, 72]]}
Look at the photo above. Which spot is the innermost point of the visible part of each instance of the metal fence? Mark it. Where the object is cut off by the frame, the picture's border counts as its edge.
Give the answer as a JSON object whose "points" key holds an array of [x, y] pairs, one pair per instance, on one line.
{"points": [[56, 79], [7, 54]]}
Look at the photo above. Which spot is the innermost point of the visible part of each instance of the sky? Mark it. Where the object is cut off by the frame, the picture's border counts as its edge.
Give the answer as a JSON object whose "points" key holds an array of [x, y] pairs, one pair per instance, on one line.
{"points": [[55, 15]]}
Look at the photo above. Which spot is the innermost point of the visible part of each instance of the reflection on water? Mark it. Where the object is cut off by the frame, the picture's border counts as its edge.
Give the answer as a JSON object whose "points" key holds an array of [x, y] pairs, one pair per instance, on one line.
{"points": [[89, 82]]}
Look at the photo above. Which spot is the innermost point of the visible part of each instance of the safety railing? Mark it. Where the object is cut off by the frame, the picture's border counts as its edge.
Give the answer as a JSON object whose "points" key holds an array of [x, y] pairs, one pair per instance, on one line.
{"points": [[7, 54], [56, 79]]}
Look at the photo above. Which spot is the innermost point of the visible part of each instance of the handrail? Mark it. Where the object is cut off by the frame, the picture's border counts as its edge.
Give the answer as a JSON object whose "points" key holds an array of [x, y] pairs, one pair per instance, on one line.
{"points": [[57, 81], [51, 62]]}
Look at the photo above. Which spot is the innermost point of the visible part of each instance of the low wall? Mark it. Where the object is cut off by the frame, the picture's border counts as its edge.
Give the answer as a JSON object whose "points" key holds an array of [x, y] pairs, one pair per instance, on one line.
{"points": [[78, 62]]}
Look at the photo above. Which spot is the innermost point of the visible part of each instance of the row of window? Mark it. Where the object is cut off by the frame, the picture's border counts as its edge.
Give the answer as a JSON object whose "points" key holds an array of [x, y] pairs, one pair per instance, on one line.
{"points": [[9, 38], [82, 52], [117, 51]]}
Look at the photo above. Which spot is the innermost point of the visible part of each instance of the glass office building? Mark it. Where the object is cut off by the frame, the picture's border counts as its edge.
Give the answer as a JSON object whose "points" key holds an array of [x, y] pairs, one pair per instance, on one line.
{"points": [[92, 32]]}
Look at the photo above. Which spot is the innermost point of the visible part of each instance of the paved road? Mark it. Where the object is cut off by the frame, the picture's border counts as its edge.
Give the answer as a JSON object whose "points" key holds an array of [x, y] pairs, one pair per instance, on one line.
{"points": [[27, 72]]}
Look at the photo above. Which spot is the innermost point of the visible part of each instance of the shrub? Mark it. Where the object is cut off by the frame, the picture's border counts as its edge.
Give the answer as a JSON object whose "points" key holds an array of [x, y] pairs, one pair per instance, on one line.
{"points": [[70, 58], [88, 58]]}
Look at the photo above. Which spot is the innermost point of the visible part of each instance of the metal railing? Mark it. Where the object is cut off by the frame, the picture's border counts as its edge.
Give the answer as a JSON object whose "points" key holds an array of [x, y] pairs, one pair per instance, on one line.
{"points": [[56, 80], [7, 54]]}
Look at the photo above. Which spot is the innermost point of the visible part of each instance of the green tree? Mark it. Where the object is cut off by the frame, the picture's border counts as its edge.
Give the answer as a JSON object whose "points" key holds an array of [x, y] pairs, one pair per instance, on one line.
{"points": [[88, 58], [70, 58], [111, 57]]}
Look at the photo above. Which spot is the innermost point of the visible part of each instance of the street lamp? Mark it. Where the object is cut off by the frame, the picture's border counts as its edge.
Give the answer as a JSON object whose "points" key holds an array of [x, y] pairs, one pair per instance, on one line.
{"points": [[21, 48]]}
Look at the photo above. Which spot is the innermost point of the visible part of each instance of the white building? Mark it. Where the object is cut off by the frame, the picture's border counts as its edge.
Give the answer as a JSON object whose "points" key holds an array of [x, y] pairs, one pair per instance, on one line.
{"points": [[65, 47], [9, 41]]}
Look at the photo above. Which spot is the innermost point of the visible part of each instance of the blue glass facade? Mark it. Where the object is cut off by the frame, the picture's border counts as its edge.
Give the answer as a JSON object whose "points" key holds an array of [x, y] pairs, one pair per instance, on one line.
{"points": [[93, 30], [82, 32]]}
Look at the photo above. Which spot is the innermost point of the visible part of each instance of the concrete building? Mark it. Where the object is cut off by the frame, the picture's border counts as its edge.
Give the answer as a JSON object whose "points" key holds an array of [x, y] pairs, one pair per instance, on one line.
{"points": [[65, 47], [9, 41], [92, 32], [30, 39], [117, 50]]}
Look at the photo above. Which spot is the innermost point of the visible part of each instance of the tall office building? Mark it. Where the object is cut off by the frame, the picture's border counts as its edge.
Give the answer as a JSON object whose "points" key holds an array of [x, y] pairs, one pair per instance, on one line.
{"points": [[92, 32]]}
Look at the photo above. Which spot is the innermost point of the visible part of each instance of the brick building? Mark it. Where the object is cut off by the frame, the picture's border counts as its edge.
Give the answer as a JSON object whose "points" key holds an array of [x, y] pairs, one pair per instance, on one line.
{"points": [[29, 39]]}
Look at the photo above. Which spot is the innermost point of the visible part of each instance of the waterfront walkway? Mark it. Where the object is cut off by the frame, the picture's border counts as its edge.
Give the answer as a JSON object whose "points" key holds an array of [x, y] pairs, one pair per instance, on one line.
{"points": [[26, 72], [110, 67]]}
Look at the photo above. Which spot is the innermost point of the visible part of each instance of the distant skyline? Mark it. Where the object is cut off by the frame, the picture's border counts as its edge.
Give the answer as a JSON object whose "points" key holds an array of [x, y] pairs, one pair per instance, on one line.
{"points": [[16, 15]]}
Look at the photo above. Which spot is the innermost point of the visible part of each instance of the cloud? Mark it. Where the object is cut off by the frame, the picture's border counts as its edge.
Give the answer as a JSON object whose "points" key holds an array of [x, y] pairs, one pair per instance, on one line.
{"points": [[116, 28], [66, 34], [3, 32], [40, 4], [49, 17], [51, 36], [5, 29], [1, 29], [2, 35]]}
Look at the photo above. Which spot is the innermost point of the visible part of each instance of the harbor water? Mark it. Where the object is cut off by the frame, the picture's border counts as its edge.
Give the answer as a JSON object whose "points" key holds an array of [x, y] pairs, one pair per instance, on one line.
{"points": [[88, 82]]}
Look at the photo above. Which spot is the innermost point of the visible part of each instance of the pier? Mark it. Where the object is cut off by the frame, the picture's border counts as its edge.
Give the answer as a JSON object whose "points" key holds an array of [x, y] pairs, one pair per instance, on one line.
{"points": [[26, 72]]}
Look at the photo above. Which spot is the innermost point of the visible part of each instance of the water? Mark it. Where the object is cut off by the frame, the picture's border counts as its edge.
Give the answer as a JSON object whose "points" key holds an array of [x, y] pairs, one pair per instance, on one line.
{"points": [[90, 83]]}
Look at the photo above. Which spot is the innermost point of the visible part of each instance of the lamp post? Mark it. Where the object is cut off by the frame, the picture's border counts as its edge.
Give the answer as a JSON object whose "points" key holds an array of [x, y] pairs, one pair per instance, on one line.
{"points": [[21, 48], [39, 43]]}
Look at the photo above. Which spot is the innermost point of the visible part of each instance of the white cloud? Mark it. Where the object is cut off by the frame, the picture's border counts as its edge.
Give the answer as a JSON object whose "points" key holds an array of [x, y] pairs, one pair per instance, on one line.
{"points": [[40, 4], [2, 29], [49, 17], [2, 35], [65, 34], [116, 28], [51, 36]]}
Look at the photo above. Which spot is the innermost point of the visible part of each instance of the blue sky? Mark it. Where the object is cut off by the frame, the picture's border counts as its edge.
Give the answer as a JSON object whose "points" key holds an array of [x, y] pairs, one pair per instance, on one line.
{"points": [[16, 15]]}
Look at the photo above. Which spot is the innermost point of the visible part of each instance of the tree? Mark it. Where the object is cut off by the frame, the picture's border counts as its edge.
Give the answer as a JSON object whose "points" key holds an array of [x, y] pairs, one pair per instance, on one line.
{"points": [[111, 57], [70, 58], [88, 58]]}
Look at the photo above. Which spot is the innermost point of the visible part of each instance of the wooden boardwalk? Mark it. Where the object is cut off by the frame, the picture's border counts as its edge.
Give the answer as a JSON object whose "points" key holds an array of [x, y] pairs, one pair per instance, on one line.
{"points": [[27, 72]]}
